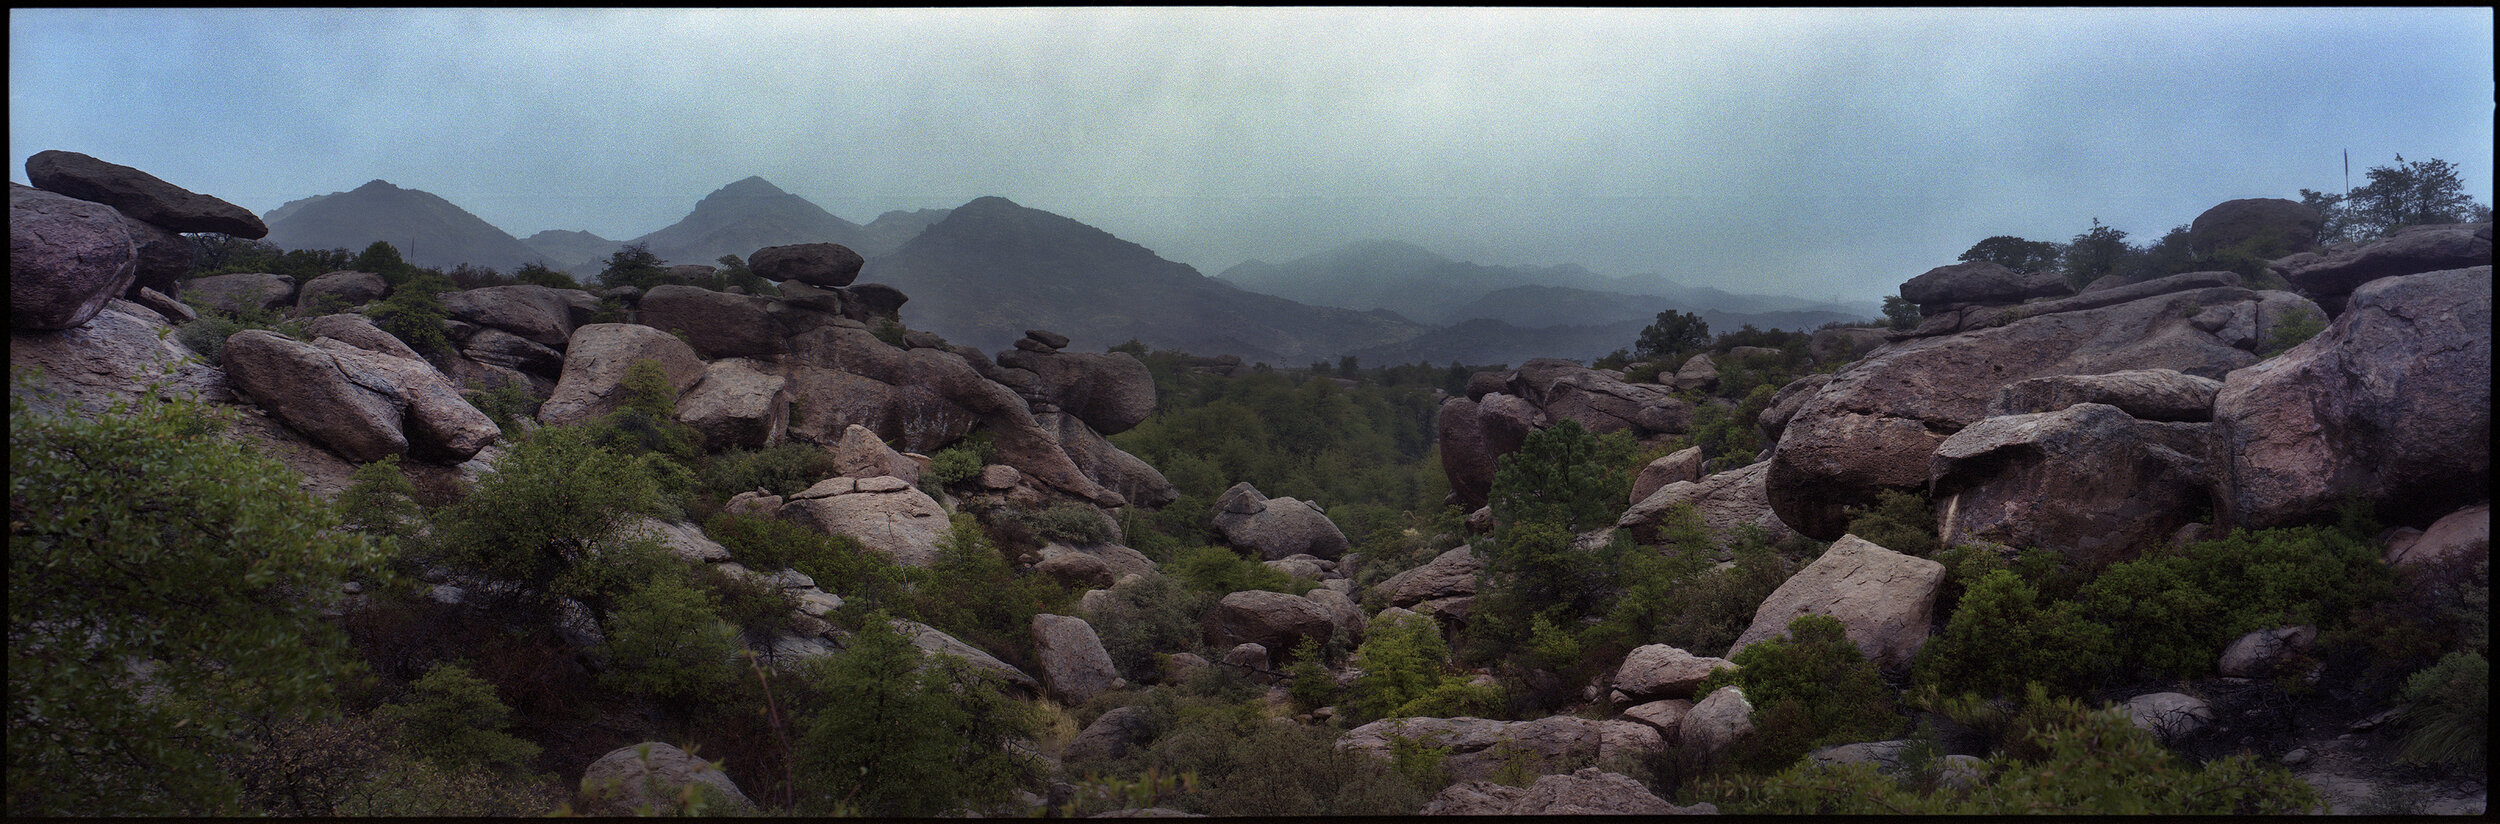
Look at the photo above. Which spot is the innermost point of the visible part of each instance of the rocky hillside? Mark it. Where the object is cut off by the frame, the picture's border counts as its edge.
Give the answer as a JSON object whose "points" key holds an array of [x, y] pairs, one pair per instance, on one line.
{"points": [[2180, 546], [428, 230]]}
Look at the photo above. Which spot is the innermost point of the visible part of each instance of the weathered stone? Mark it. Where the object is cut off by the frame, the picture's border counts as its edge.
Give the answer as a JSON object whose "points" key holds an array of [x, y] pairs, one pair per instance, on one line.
{"points": [[2391, 404], [165, 258], [173, 311], [341, 290], [901, 523], [240, 293], [1842, 344], [2086, 480], [140, 195], [1342, 611], [1074, 666], [1727, 502], [2328, 274], [1697, 373], [1666, 715], [439, 424], [1474, 434], [2268, 221], [1100, 565], [1882, 599], [2169, 716], [1656, 671], [716, 324], [546, 315], [1271, 619], [354, 414], [1785, 403], [1111, 736], [653, 775], [1110, 391], [2144, 394], [2454, 534], [930, 640], [1716, 721], [1107, 464], [1248, 656], [1479, 748], [1681, 465], [861, 455], [1562, 390], [1275, 528], [1451, 573], [1981, 282], [2263, 653], [1588, 791], [596, 361], [737, 405], [875, 301], [816, 264]]}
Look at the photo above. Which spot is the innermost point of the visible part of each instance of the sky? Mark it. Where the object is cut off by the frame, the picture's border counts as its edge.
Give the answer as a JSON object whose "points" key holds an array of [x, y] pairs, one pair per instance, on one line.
{"points": [[1818, 153]]}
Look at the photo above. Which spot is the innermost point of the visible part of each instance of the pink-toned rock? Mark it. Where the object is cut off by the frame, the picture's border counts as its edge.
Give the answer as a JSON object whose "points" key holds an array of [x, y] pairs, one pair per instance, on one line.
{"points": [[653, 775], [1074, 666], [861, 455], [1656, 671], [1882, 599], [1271, 619], [140, 195], [341, 290], [1476, 433], [1452, 573], [2086, 480], [354, 412], [716, 324], [596, 361], [2454, 534], [1681, 465], [1666, 715], [67, 257], [1588, 791], [738, 404], [1727, 503], [894, 519]]}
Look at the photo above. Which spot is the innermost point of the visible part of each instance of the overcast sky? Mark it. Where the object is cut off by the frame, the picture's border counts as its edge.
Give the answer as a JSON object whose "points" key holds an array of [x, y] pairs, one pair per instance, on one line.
{"points": [[1816, 153]]}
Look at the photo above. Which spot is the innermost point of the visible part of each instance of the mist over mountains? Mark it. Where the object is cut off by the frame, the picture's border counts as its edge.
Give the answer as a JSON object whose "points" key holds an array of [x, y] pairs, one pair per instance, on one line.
{"points": [[985, 272]]}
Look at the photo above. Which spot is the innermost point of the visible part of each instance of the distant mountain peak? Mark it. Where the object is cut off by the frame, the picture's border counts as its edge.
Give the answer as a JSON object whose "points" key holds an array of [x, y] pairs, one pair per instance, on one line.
{"points": [[378, 185], [750, 186]]}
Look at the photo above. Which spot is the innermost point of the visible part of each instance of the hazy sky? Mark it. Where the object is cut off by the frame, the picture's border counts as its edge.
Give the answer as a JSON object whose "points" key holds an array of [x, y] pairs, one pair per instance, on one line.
{"points": [[1817, 153]]}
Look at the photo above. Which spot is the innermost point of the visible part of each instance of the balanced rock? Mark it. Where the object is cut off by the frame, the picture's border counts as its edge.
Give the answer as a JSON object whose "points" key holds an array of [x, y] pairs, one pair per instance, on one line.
{"points": [[165, 258], [140, 195], [815, 264], [2267, 221], [1980, 282], [2329, 274], [1275, 528], [716, 324]]}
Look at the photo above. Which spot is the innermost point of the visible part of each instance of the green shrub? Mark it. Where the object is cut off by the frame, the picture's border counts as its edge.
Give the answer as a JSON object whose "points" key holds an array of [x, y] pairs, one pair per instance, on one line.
{"points": [[414, 313], [2294, 329], [453, 720], [783, 469], [957, 464], [505, 404], [890, 736], [165, 584], [2447, 712], [554, 497], [838, 563], [2002, 635], [1220, 571], [1153, 613], [2091, 762], [1402, 661], [973, 593], [2173, 612], [379, 501], [537, 274], [666, 639], [756, 605], [1073, 523], [1246, 765], [1810, 687], [1899, 521], [1675, 595], [208, 334]]}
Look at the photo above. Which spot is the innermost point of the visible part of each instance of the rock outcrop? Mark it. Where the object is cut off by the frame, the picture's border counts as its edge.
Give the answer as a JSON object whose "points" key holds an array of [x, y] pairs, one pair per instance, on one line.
{"points": [[887, 515], [1275, 528], [597, 358], [2290, 224], [361, 404], [2087, 480], [653, 775], [829, 265], [1273, 620], [140, 195], [738, 403], [66, 258], [2329, 274], [1474, 433], [1074, 666], [1659, 671], [1450, 574], [1979, 282], [1883, 600], [1727, 502], [1479, 748], [1587, 791]]}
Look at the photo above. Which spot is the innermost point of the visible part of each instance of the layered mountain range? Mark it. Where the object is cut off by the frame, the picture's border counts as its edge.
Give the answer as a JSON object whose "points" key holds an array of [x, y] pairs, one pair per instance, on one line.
{"points": [[985, 272]]}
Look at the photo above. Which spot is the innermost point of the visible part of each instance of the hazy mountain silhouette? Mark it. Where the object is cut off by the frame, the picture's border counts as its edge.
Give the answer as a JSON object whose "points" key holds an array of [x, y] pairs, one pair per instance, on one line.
{"points": [[1430, 288], [1540, 306], [893, 229], [427, 230], [992, 269], [742, 217], [572, 251]]}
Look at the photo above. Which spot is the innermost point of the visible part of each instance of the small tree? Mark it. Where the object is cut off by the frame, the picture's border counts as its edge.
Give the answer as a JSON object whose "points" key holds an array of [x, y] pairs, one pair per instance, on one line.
{"points": [[2015, 253], [634, 265], [537, 274], [1671, 333], [2095, 253], [454, 721]]}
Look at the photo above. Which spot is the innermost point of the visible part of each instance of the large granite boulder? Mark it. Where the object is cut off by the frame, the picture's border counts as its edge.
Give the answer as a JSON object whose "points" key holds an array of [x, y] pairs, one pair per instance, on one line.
{"points": [[2454, 535], [1479, 748], [654, 776], [1564, 390], [165, 257], [1274, 620], [1715, 722], [1727, 502], [1875, 423], [932, 641], [1784, 405], [352, 411], [1107, 464], [1659, 671], [861, 455], [240, 293], [1681, 465], [2086, 480], [886, 515], [2329, 274], [2392, 403], [737, 404], [1450, 574], [816, 264], [2290, 224], [1475, 434], [1882, 599], [1275, 528], [119, 353], [1980, 282], [1587, 791], [1113, 735], [716, 324], [341, 290], [597, 359], [441, 426], [140, 195], [1110, 391], [1074, 666], [506, 351], [67, 257], [543, 314]]}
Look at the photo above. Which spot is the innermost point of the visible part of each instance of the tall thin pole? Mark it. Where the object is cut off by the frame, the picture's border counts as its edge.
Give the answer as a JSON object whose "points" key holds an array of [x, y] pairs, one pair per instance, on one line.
{"points": [[2348, 173]]}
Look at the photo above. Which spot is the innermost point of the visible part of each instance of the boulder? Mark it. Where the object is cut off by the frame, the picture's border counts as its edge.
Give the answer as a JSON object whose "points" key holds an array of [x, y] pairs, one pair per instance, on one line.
{"points": [[1588, 791], [1342, 611], [934, 642], [2110, 293], [886, 515], [67, 257], [1275, 528], [737, 404], [816, 264], [1883, 600], [240, 293], [1273, 620], [2086, 480], [1074, 666], [1048, 338], [439, 424], [119, 353], [1251, 657], [716, 324], [1727, 502], [1842, 344], [1106, 464], [2264, 653], [1875, 424], [1715, 722], [861, 455], [1300, 566], [2270, 221], [1563, 390], [684, 540], [140, 195], [165, 257], [501, 349], [1666, 715], [1697, 373], [597, 358], [1658, 671], [1885, 755], [1683, 465], [2454, 534], [2392, 403], [354, 412], [1785, 403], [691, 273], [173, 311], [1980, 282], [1111, 736], [874, 301], [2169, 716], [1450, 574], [544, 314], [1096, 565], [2144, 394], [1110, 391], [1476, 433], [2329, 274], [341, 290], [656, 776]]}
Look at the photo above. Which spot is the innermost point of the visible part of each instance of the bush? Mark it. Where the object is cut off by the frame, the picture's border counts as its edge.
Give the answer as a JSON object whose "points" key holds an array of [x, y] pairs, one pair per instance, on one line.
{"points": [[957, 464], [1072, 523], [1149, 615], [554, 498], [1899, 521], [1243, 764], [783, 469], [1675, 595], [1402, 662], [974, 594], [838, 563], [208, 334], [164, 583], [379, 501], [892, 736], [1220, 571], [1809, 687], [666, 640], [2173, 612], [2292, 330], [453, 720], [414, 313], [2447, 712], [2003, 636], [506, 404]]}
